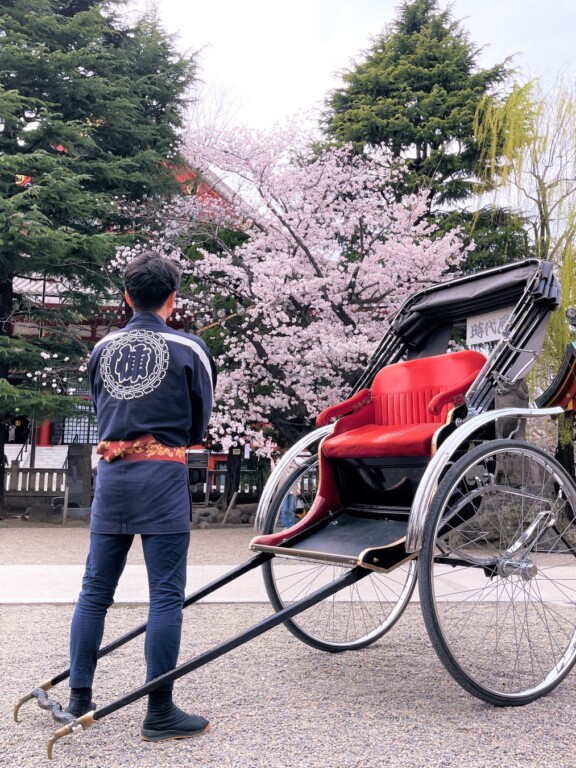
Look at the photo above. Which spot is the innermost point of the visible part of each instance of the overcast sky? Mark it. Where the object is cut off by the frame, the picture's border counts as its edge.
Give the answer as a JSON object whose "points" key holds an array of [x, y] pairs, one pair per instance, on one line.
{"points": [[263, 61]]}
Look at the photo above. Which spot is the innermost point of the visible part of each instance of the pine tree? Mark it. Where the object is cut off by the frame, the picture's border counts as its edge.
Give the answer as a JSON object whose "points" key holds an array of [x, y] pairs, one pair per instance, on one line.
{"points": [[417, 91], [90, 108]]}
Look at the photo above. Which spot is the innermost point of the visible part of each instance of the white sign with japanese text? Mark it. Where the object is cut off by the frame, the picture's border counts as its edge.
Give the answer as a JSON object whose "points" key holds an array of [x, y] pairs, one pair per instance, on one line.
{"points": [[481, 329]]}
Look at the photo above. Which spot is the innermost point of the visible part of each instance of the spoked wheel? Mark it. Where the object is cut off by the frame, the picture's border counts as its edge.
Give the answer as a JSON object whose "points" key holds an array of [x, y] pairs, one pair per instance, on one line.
{"points": [[498, 572], [351, 619]]}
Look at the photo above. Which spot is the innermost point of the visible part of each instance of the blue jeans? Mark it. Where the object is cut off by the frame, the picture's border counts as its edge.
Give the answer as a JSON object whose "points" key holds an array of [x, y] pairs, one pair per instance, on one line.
{"points": [[165, 557], [288, 511]]}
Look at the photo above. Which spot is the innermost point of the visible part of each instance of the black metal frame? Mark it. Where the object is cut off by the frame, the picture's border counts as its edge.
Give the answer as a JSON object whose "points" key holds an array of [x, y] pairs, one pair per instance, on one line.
{"points": [[85, 721], [421, 328]]}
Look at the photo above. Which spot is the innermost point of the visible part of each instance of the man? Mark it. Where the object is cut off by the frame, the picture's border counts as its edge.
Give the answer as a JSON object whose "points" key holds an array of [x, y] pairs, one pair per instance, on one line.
{"points": [[152, 391]]}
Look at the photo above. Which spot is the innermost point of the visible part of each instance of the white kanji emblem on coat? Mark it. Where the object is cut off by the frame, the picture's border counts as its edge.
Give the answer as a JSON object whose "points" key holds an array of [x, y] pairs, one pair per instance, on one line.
{"points": [[133, 364]]}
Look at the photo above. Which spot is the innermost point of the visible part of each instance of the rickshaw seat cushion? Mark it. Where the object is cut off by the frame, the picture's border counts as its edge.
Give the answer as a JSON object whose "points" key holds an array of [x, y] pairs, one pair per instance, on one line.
{"points": [[377, 440], [410, 401]]}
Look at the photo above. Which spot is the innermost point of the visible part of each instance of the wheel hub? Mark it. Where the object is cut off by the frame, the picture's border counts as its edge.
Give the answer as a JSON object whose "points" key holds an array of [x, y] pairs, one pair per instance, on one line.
{"points": [[526, 569]]}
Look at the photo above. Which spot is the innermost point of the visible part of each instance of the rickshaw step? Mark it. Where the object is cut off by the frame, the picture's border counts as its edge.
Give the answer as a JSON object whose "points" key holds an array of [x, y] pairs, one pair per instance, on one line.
{"points": [[348, 538]]}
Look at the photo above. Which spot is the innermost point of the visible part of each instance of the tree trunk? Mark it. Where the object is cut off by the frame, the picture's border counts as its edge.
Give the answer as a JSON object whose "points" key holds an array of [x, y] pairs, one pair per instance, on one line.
{"points": [[232, 484], [6, 295], [288, 432]]}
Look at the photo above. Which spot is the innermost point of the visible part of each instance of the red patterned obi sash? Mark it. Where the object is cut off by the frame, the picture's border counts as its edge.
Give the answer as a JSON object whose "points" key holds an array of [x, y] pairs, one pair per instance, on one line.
{"points": [[145, 448]]}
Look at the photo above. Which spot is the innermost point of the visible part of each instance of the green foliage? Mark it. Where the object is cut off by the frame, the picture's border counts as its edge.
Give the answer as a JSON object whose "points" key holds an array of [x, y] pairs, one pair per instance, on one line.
{"points": [[417, 91], [30, 398], [503, 129], [497, 235], [36, 405], [90, 110], [537, 160], [535, 165], [28, 354]]}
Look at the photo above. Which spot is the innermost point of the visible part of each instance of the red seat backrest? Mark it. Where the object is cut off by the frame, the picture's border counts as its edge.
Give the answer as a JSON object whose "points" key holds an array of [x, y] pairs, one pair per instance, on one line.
{"points": [[401, 392]]}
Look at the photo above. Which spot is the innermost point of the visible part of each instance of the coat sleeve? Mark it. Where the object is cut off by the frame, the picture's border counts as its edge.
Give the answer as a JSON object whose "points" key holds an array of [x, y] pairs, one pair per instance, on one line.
{"points": [[92, 373], [201, 389]]}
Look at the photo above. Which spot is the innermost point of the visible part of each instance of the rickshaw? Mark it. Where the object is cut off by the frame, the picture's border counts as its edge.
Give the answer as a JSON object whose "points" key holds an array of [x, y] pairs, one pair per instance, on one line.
{"points": [[424, 474]]}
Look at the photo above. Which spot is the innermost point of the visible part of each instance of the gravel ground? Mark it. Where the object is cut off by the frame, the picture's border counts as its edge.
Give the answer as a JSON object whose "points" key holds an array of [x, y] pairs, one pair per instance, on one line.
{"points": [[276, 703]]}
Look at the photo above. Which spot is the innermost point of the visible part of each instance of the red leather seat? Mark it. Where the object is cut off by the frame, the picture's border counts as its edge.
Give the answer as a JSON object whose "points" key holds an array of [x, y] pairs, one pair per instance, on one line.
{"points": [[399, 416], [407, 404]]}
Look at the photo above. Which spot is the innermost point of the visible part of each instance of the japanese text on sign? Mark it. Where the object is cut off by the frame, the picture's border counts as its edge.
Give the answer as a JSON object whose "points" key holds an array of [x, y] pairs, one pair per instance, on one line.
{"points": [[488, 327]]}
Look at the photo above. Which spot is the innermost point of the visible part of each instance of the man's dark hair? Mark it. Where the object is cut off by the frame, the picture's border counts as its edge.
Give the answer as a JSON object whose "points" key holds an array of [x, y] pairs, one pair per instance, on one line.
{"points": [[149, 280]]}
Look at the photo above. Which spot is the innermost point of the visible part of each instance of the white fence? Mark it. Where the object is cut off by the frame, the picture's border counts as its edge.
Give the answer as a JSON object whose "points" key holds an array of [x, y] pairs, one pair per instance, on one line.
{"points": [[43, 482], [46, 482]]}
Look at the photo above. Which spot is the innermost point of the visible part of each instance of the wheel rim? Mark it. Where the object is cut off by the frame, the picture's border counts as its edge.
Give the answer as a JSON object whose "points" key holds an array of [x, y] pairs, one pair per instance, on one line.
{"points": [[355, 616], [504, 611]]}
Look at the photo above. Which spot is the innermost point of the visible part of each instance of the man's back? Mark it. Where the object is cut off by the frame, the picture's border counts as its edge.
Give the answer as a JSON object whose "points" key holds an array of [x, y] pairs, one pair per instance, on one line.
{"points": [[150, 379]]}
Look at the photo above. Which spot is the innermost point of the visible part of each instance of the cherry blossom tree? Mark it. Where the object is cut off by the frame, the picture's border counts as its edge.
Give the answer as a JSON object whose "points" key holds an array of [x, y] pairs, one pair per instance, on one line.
{"points": [[330, 256], [327, 255]]}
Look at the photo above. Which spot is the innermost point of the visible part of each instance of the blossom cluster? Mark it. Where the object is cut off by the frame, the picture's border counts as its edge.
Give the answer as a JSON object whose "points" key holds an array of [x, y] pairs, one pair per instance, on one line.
{"points": [[330, 256], [61, 376]]}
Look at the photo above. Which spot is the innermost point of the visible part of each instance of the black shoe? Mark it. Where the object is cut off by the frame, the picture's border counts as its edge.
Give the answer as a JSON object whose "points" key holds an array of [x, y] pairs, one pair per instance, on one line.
{"points": [[194, 726], [80, 702], [164, 720]]}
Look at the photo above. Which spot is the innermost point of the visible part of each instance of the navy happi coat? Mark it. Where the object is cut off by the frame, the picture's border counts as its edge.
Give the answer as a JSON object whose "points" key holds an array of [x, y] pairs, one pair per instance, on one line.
{"points": [[148, 379]]}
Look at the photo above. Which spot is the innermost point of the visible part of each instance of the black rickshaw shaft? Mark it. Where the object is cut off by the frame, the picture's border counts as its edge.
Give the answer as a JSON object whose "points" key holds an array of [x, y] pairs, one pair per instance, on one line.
{"points": [[351, 577], [248, 565], [87, 720], [200, 594], [235, 573]]}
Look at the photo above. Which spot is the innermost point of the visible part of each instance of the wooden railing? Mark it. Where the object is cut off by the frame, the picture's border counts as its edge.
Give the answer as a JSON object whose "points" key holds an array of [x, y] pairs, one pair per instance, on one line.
{"points": [[41, 482], [249, 486]]}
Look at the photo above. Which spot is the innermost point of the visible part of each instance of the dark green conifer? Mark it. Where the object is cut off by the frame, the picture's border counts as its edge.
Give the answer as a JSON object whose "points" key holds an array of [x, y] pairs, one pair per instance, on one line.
{"points": [[90, 108], [417, 90]]}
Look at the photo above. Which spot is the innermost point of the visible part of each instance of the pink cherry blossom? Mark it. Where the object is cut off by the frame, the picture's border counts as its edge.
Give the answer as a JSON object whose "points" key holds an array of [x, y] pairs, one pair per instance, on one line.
{"points": [[331, 254]]}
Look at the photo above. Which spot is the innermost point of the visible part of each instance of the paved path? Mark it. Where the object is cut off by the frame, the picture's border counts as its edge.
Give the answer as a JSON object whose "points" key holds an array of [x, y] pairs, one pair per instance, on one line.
{"points": [[60, 584], [44, 564], [48, 570]]}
